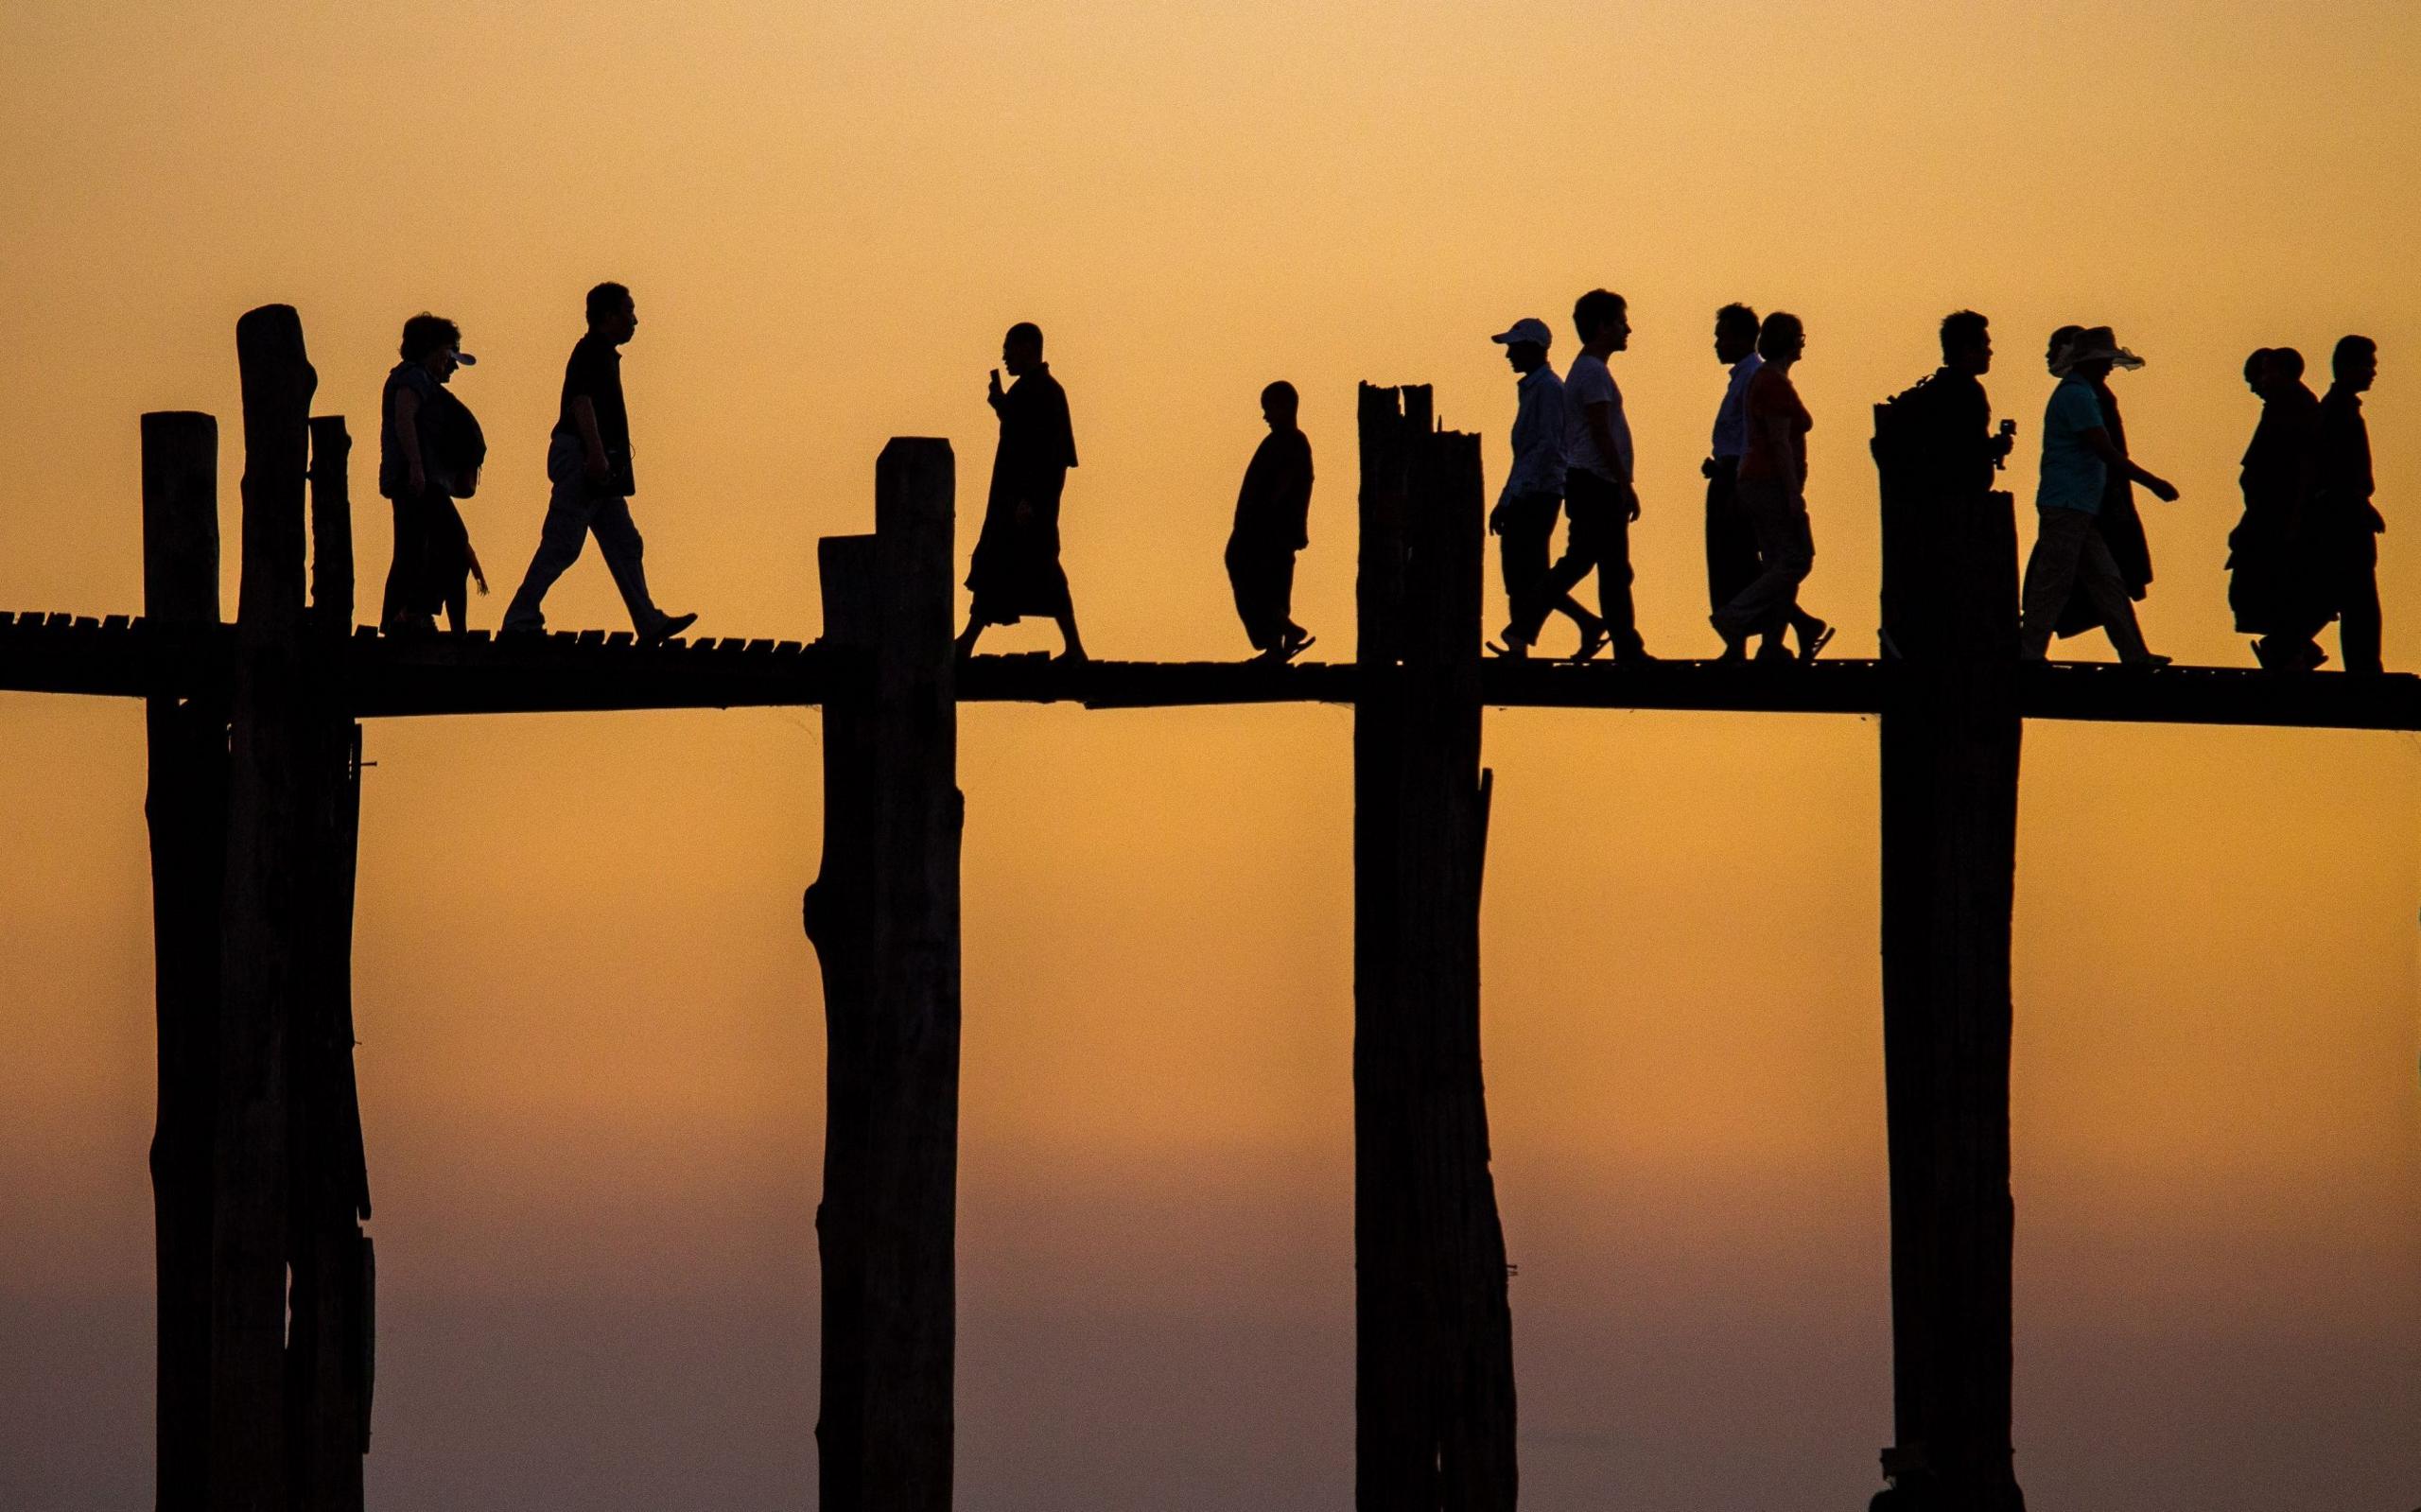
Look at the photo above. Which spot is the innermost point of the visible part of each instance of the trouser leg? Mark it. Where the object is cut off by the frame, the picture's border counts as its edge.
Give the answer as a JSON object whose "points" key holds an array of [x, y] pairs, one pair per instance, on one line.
{"points": [[2050, 576], [618, 537], [2098, 578], [406, 594], [1528, 524], [1259, 605], [2359, 618], [1785, 552], [1613, 583], [1730, 540], [560, 540]]}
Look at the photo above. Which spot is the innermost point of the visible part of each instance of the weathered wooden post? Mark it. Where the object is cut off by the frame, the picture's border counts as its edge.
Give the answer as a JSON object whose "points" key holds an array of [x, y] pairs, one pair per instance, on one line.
{"points": [[1434, 1351], [1949, 742], [186, 809], [327, 1345], [884, 918], [268, 914]]}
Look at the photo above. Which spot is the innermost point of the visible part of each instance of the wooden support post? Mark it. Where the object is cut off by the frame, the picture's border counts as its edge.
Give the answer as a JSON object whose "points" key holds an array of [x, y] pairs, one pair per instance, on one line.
{"points": [[327, 1346], [884, 918], [1949, 744], [268, 911], [186, 810], [1433, 1350]]}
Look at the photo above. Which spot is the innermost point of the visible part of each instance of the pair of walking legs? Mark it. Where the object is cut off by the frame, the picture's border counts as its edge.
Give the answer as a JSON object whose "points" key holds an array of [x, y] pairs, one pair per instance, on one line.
{"points": [[575, 511], [1264, 581], [1524, 527], [1732, 559], [1785, 554], [1596, 539], [2071, 557]]}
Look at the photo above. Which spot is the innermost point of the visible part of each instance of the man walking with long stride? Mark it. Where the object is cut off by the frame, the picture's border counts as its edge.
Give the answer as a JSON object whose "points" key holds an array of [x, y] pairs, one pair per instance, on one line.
{"points": [[588, 462], [1524, 519], [1599, 501]]}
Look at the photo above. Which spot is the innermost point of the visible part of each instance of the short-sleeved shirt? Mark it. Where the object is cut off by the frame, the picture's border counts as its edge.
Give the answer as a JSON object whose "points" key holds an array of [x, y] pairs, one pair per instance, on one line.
{"points": [[395, 469], [1586, 382], [1771, 395], [1541, 429], [1730, 438], [594, 373], [2073, 473]]}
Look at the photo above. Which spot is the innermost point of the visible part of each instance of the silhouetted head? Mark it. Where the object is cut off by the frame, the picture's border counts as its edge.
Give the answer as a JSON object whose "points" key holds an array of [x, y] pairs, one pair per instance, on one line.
{"points": [[2060, 339], [1022, 349], [1526, 342], [2256, 369], [1736, 333], [2091, 354], [434, 342], [611, 313], [1967, 343], [1278, 405], [2354, 364], [1603, 321], [2284, 370], [1782, 338]]}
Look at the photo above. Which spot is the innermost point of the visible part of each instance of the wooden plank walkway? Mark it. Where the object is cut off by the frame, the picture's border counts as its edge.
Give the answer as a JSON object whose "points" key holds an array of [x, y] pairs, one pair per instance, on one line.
{"points": [[571, 672]]}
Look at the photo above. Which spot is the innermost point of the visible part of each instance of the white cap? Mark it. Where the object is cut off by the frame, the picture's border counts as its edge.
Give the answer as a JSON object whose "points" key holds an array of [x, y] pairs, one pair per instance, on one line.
{"points": [[1528, 328]]}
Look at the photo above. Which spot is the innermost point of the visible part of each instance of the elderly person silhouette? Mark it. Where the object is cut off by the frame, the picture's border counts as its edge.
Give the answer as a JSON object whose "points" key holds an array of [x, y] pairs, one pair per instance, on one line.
{"points": [[2079, 455]]}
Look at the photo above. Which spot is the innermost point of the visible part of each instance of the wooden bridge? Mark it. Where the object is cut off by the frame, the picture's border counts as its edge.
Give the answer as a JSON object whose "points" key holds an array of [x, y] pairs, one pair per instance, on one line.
{"points": [[261, 1185]]}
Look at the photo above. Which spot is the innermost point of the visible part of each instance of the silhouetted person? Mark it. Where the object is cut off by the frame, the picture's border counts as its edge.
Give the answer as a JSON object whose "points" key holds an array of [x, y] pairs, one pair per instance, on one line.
{"points": [[1773, 491], [588, 462], [1940, 458], [1524, 519], [2118, 523], [2070, 555], [2346, 523], [1731, 561], [1273, 522], [411, 474], [1016, 568], [2274, 585], [1600, 502]]}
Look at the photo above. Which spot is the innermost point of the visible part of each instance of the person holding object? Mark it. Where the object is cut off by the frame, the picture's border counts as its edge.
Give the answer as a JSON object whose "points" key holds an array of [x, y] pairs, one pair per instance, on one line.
{"points": [[1773, 490], [1599, 501], [411, 474], [1524, 519], [1015, 570], [2078, 457], [1273, 515], [588, 464]]}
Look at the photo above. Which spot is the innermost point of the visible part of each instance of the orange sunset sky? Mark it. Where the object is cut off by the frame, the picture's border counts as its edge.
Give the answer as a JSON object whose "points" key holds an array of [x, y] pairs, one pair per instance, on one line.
{"points": [[591, 1057]]}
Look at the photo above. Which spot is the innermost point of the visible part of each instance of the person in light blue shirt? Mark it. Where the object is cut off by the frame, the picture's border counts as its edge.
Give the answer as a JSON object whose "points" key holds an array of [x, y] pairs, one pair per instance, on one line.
{"points": [[2077, 455], [1524, 519]]}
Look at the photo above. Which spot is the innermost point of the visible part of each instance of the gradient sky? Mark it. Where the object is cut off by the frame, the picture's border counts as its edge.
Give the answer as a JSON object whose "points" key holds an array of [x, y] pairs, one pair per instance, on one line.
{"points": [[592, 1050]]}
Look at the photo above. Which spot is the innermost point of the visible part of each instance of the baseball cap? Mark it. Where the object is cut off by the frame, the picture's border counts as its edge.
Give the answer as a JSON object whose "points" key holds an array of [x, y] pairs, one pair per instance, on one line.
{"points": [[1528, 328]]}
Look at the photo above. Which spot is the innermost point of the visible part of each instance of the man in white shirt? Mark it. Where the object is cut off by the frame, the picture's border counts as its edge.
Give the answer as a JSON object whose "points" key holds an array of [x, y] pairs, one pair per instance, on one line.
{"points": [[1524, 519], [1600, 502]]}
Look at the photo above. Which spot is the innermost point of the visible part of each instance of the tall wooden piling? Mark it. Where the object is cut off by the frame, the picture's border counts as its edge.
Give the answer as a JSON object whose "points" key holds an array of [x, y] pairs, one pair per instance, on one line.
{"points": [[186, 810], [884, 918], [1434, 1355], [328, 1354], [1949, 742], [268, 915]]}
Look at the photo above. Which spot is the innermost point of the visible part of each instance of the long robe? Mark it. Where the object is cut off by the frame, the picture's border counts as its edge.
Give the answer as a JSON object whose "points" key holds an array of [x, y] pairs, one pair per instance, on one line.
{"points": [[2271, 587], [1016, 568]]}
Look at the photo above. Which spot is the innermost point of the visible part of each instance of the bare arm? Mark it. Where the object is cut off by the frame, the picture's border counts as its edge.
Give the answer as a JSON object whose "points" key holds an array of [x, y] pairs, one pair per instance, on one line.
{"points": [[407, 437], [592, 440], [2098, 441]]}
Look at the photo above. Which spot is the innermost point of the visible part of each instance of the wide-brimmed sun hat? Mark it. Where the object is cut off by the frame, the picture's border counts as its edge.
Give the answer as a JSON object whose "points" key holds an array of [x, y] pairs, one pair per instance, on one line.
{"points": [[2094, 343]]}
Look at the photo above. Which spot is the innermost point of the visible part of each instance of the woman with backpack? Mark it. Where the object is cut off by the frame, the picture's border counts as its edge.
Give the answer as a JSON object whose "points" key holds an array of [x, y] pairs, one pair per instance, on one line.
{"points": [[429, 453]]}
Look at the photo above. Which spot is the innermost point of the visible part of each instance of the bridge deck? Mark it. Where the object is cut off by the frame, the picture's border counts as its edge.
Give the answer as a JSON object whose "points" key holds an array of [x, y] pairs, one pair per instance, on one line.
{"points": [[593, 671]]}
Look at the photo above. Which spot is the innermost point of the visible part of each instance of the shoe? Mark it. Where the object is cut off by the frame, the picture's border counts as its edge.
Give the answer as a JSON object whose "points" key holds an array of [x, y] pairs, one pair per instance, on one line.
{"points": [[1512, 648], [1072, 656], [2149, 660], [1297, 643], [667, 627], [1635, 656], [1810, 643], [1592, 640], [1736, 653], [1774, 651]]}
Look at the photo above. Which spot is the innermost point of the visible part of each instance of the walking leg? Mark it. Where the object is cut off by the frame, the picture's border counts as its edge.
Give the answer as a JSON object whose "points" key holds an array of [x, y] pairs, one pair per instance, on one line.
{"points": [[2050, 576], [618, 537], [560, 540]]}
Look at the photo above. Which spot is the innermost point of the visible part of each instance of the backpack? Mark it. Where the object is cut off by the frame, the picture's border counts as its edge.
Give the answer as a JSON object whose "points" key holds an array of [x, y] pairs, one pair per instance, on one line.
{"points": [[454, 442]]}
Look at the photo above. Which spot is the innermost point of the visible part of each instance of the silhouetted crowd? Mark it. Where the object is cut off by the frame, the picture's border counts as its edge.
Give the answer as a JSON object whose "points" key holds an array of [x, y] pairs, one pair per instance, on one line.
{"points": [[2305, 553]]}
